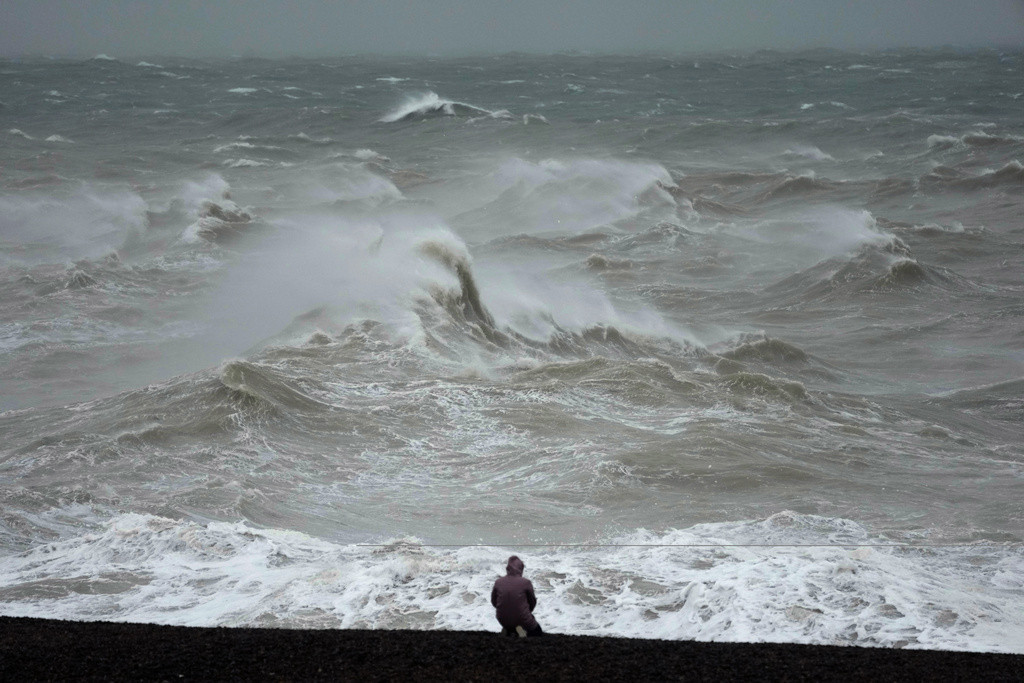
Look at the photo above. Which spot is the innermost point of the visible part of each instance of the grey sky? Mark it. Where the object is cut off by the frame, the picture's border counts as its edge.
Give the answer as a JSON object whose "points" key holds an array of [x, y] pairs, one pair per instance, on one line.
{"points": [[131, 28]]}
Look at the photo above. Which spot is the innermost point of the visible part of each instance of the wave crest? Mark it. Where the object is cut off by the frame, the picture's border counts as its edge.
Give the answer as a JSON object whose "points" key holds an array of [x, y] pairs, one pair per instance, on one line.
{"points": [[430, 104]]}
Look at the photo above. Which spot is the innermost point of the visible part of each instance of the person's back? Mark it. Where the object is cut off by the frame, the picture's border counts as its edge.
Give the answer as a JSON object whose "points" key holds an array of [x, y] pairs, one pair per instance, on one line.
{"points": [[513, 600]]}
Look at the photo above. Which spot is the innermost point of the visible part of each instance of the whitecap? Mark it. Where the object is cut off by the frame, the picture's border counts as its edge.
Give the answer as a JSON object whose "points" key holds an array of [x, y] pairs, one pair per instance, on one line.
{"points": [[809, 152], [431, 104], [234, 145], [942, 140], [308, 138], [243, 91], [244, 163]]}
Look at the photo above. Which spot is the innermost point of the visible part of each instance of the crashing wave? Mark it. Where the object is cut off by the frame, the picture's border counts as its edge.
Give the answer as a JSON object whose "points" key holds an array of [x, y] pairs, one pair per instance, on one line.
{"points": [[465, 305], [808, 152], [431, 104], [79, 279], [465, 315], [217, 221]]}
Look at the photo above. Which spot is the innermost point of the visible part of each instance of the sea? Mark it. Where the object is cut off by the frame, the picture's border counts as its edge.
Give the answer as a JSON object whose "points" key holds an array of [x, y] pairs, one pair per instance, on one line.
{"points": [[726, 347]]}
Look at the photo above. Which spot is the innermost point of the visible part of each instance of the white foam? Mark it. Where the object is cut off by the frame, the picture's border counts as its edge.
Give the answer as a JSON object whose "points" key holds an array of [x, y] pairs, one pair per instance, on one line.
{"points": [[243, 91], [430, 102], [245, 145], [366, 154], [308, 138], [809, 152], [197, 198], [943, 140], [212, 188], [955, 227], [245, 163], [702, 583], [234, 145], [20, 134], [58, 138]]}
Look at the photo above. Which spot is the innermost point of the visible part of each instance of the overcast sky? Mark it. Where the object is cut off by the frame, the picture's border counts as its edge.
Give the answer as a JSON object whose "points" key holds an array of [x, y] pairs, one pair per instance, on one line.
{"points": [[132, 28]]}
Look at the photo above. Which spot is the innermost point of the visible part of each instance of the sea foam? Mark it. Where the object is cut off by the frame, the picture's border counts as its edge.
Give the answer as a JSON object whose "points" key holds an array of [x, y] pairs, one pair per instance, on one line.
{"points": [[787, 578]]}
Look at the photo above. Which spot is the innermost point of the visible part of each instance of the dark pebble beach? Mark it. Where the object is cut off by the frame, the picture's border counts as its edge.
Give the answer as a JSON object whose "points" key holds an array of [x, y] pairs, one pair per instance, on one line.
{"points": [[42, 649]]}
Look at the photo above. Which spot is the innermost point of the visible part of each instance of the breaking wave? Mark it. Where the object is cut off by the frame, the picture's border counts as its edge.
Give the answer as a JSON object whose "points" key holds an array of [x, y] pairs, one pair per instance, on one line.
{"points": [[1012, 173], [972, 139], [430, 104], [701, 583]]}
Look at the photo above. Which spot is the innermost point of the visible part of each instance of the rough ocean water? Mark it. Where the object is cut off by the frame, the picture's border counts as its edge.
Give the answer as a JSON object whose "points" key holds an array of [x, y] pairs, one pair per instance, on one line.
{"points": [[726, 347]]}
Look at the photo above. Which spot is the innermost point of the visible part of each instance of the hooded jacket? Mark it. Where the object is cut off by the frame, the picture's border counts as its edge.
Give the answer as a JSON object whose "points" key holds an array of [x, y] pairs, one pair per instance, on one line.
{"points": [[513, 597]]}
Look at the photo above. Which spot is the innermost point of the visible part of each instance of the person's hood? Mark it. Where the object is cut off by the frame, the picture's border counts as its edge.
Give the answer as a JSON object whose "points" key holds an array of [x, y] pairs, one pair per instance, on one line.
{"points": [[515, 566]]}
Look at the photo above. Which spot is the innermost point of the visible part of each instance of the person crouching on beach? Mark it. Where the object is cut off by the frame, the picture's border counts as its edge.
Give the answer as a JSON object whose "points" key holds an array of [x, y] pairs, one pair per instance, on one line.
{"points": [[513, 599]]}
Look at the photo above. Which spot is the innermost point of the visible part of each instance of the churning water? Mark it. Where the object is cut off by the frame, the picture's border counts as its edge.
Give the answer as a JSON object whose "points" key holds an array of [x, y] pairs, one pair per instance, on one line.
{"points": [[725, 347]]}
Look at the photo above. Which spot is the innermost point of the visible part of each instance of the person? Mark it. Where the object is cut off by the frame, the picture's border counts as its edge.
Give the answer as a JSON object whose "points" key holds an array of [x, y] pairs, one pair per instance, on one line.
{"points": [[513, 600]]}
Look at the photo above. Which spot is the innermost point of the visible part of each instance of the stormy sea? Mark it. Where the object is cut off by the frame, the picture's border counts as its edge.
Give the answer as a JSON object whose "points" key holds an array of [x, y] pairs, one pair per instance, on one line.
{"points": [[726, 347]]}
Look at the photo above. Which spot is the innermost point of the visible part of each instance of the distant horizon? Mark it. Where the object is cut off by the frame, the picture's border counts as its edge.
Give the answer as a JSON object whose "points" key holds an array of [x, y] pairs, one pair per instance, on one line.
{"points": [[455, 28], [738, 52]]}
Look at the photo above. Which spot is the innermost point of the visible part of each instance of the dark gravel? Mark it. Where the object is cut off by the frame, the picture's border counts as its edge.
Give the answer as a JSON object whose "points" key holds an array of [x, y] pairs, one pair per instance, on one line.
{"points": [[41, 649]]}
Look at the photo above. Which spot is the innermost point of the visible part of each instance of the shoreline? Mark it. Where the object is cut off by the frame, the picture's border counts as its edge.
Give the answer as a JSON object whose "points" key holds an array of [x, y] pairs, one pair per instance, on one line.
{"points": [[45, 649]]}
